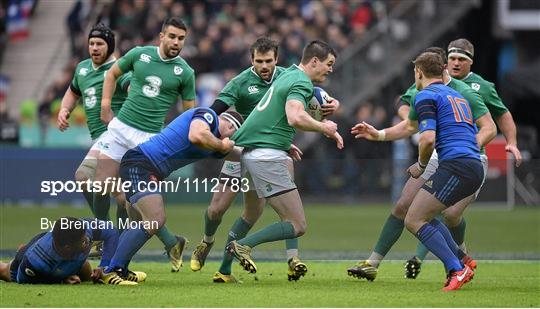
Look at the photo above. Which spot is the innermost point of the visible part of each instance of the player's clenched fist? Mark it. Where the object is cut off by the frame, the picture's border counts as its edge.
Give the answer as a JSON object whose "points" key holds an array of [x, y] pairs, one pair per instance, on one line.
{"points": [[226, 145]]}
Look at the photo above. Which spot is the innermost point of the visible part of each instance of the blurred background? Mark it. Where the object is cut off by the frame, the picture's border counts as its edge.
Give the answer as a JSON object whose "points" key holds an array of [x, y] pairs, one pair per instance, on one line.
{"points": [[42, 41]]}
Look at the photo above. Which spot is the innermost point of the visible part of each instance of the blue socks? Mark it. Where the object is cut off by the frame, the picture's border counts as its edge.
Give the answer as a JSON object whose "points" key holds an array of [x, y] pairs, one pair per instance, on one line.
{"points": [[434, 240], [129, 243]]}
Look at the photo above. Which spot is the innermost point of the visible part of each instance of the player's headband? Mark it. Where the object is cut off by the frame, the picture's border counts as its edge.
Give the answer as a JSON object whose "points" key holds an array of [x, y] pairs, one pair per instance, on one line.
{"points": [[230, 118], [103, 32], [459, 52]]}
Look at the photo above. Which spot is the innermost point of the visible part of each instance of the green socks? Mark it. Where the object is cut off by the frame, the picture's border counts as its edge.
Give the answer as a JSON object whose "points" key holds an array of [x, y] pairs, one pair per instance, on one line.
{"points": [[239, 230], [210, 226], [166, 237], [458, 232], [389, 235], [277, 231], [89, 197], [102, 203]]}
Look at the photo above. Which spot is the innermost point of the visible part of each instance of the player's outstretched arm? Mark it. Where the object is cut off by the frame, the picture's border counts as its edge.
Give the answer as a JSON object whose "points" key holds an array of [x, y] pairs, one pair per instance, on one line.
{"points": [[109, 86], [200, 135], [401, 130], [488, 130], [508, 128], [66, 107]]}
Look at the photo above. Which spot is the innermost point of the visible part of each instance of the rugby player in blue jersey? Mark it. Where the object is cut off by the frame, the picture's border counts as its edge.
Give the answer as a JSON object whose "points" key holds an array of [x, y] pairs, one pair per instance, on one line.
{"points": [[446, 124], [196, 134], [60, 256]]}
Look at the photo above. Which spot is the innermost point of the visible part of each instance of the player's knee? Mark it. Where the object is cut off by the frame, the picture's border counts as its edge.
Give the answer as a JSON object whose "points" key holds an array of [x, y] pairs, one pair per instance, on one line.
{"points": [[300, 227], [215, 212], [451, 218], [401, 208], [412, 224], [85, 171]]}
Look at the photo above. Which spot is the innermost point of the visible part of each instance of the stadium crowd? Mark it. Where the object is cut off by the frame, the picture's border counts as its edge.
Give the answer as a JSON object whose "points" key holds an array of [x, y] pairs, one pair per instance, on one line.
{"points": [[219, 36]]}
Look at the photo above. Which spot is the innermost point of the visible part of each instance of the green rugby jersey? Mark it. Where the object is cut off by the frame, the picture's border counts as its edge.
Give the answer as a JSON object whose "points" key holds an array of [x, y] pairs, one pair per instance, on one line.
{"points": [[87, 83], [478, 107], [487, 91], [267, 126], [155, 86], [246, 90]]}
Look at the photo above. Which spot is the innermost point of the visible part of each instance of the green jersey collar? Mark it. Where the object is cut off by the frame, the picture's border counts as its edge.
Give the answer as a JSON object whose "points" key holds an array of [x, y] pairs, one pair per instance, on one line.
{"points": [[113, 59], [166, 60], [252, 69]]}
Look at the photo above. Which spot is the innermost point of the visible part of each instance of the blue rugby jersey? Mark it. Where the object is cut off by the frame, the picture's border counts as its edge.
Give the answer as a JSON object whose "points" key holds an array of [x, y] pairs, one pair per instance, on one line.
{"points": [[171, 149], [445, 111], [42, 264]]}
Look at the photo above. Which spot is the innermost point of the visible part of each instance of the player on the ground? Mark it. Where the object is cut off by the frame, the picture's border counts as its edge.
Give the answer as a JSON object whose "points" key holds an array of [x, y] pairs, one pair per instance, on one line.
{"points": [[196, 134], [267, 136], [445, 122], [244, 92], [394, 224], [160, 75], [87, 84], [60, 256], [460, 59]]}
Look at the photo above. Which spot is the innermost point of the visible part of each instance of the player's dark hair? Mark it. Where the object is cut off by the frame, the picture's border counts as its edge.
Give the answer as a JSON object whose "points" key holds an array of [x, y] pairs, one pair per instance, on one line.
{"points": [[462, 44], [438, 50], [103, 32], [67, 231], [176, 22], [319, 49], [430, 64], [264, 45]]}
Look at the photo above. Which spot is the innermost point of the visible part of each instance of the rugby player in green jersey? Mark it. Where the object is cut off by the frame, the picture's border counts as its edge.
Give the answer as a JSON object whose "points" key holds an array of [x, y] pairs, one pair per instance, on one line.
{"points": [[266, 137], [460, 59], [394, 225], [244, 92], [160, 75], [87, 85]]}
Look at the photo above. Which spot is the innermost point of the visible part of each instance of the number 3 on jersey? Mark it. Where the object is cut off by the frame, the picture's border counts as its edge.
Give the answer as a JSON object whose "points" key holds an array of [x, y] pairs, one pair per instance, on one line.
{"points": [[462, 111], [152, 89]]}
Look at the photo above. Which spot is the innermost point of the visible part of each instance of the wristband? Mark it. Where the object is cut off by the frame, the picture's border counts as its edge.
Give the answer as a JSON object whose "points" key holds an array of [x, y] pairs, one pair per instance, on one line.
{"points": [[422, 166], [382, 135]]}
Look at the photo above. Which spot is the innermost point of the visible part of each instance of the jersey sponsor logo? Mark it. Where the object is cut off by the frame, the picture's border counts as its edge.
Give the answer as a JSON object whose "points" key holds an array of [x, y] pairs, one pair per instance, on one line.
{"points": [[178, 70], [253, 89], [152, 89], [145, 58], [83, 71], [475, 86], [90, 98], [208, 117], [29, 272]]}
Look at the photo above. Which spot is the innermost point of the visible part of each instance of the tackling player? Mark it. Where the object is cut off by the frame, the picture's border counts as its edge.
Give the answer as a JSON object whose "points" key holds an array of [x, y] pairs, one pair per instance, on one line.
{"points": [[160, 75], [196, 134], [394, 225], [267, 136], [87, 84], [60, 256]]}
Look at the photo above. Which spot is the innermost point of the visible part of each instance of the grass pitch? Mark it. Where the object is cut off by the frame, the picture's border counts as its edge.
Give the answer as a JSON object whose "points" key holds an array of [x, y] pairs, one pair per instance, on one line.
{"points": [[334, 233], [326, 285]]}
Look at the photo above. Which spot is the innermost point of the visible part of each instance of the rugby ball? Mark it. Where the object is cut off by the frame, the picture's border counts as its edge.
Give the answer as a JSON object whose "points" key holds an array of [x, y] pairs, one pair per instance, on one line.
{"points": [[319, 98]]}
